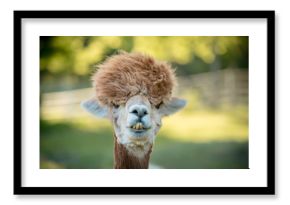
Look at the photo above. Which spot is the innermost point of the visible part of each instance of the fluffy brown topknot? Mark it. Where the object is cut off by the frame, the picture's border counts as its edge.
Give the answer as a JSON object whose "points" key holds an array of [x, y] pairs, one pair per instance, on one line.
{"points": [[127, 74]]}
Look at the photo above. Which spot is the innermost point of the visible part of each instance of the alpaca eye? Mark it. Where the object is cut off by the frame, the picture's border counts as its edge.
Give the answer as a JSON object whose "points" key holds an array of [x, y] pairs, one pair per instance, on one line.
{"points": [[116, 105], [158, 106]]}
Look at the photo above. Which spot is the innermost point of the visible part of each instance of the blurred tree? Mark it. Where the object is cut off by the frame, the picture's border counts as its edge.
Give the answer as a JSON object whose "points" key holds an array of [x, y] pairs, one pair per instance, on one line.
{"points": [[75, 56]]}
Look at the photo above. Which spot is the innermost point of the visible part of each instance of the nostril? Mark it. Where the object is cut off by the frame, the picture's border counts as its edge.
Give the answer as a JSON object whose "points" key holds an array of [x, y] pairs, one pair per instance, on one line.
{"points": [[134, 112], [140, 112]]}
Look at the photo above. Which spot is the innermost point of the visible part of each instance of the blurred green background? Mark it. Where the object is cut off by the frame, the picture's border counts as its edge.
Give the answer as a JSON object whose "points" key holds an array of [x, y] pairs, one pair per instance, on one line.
{"points": [[210, 133]]}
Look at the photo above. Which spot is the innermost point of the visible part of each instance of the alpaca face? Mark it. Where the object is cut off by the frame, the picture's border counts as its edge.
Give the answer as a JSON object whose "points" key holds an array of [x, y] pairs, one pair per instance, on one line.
{"points": [[136, 122]]}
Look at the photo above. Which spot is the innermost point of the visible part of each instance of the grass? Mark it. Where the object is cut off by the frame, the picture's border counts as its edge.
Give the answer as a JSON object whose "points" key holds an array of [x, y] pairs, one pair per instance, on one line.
{"points": [[206, 155], [73, 145], [197, 137]]}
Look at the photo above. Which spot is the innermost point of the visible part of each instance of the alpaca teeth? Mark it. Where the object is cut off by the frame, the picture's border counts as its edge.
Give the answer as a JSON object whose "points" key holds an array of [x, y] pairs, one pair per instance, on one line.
{"points": [[138, 126]]}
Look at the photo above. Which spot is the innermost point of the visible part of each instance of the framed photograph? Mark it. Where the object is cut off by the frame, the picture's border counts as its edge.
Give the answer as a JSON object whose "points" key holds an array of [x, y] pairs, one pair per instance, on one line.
{"points": [[144, 102]]}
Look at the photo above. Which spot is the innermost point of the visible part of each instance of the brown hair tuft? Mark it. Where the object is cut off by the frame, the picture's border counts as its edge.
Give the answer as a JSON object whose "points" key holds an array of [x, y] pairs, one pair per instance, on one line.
{"points": [[127, 74]]}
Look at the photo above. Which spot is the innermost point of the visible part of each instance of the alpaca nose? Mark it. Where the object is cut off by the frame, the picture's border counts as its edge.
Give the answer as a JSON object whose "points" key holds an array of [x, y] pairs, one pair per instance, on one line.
{"points": [[139, 110]]}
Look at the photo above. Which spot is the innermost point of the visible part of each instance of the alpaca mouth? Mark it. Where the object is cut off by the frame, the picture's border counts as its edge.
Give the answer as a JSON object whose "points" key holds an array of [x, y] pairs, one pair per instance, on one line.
{"points": [[138, 128]]}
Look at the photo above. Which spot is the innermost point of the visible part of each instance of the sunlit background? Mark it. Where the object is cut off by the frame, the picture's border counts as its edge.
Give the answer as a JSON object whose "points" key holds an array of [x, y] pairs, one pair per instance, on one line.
{"points": [[210, 133]]}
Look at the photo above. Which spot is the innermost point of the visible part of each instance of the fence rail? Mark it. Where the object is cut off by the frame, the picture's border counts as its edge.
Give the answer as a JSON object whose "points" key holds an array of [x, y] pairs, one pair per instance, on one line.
{"points": [[224, 86]]}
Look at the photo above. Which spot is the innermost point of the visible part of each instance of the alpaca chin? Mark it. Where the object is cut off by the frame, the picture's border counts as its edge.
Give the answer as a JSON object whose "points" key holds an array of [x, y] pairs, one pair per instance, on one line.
{"points": [[138, 149]]}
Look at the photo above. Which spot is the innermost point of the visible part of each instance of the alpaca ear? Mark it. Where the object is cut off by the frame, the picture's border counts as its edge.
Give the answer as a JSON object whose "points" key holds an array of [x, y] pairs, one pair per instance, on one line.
{"points": [[92, 106], [174, 105]]}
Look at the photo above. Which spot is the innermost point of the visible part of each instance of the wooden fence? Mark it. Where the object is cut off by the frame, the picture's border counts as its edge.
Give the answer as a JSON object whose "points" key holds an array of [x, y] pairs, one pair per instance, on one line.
{"points": [[228, 86]]}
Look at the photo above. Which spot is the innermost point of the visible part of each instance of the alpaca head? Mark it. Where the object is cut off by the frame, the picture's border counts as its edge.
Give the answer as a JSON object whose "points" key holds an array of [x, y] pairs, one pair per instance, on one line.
{"points": [[134, 92]]}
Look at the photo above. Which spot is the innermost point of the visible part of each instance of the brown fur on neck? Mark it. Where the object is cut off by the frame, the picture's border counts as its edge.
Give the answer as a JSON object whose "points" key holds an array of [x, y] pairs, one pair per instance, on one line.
{"points": [[125, 160]]}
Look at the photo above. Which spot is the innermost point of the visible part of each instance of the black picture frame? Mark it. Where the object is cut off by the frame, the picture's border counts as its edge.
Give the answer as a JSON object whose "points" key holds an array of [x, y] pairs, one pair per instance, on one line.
{"points": [[19, 189]]}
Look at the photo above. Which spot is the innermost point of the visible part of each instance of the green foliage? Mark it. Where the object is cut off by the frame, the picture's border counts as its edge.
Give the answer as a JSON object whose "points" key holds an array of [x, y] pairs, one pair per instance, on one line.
{"points": [[77, 55]]}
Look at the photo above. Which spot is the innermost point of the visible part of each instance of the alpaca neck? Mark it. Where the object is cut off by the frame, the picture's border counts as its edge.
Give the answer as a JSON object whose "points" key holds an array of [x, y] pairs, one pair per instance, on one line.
{"points": [[124, 159]]}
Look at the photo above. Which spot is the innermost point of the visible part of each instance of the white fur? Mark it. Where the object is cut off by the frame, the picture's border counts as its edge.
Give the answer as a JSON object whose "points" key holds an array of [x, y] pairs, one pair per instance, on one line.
{"points": [[92, 106], [138, 149], [137, 142]]}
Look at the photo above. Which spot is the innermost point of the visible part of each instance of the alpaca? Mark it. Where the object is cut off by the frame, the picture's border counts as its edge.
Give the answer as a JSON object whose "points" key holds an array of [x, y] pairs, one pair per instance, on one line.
{"points": [[134, 91]]}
